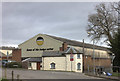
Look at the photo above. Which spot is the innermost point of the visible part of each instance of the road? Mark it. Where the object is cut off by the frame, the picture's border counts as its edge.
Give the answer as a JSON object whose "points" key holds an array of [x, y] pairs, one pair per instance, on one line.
{"points": [[31, 74]]}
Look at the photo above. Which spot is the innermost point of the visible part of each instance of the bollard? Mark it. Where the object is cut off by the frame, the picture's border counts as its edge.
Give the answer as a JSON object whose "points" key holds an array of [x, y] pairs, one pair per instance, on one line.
{"points": [[18, 77], [12, 75], [5, 73]]}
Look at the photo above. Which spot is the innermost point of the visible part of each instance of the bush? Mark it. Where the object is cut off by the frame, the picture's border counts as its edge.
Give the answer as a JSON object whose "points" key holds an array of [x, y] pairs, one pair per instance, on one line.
{"points": [[14, 65], [4, 80]]}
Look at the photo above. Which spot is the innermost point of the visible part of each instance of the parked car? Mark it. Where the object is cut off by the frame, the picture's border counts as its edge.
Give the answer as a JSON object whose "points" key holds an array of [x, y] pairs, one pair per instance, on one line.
{"points": [[4, 62], [0, 63]]}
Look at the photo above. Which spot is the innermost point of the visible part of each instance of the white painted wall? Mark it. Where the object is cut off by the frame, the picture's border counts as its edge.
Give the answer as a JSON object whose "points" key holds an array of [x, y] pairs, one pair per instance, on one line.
{"points": [[73, 63], [33, 66], [59, 63], [62, 63], [5, 51]]}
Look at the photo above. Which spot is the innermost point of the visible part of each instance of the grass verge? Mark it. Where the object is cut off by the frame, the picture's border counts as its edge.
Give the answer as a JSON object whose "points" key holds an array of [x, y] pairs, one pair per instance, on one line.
{"points": [[4, 80], [116, 74]]}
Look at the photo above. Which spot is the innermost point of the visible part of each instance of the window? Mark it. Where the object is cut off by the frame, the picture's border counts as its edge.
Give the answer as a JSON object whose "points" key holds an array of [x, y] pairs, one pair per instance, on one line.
{"points": [[78, 56], [78, 66], [29, 64], [52, 65]]}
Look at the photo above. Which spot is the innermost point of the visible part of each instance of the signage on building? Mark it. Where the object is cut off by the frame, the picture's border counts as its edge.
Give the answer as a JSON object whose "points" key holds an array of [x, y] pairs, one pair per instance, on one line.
{"points": [[37, 49], [39, 40], [71, 57]]}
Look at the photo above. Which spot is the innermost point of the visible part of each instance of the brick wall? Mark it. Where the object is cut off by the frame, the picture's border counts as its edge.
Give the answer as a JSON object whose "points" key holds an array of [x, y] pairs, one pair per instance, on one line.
{"points": [[64, 47], [16, 55], [98, 62], [9, 58], [25, 65]]}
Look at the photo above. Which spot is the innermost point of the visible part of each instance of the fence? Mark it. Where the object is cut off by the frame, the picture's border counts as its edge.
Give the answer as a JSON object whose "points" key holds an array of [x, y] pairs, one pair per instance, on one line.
{"points": [[110, 72], [11, 77]]}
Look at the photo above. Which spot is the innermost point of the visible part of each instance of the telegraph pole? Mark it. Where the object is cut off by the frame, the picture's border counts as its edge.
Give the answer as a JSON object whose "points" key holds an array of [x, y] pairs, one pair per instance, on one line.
{"points": [[94, 56], [7, 55], [83, 57]]}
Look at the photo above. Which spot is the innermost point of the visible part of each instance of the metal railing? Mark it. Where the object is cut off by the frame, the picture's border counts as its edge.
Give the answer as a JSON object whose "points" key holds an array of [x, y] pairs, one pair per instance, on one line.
{"points": [[107, 72]]}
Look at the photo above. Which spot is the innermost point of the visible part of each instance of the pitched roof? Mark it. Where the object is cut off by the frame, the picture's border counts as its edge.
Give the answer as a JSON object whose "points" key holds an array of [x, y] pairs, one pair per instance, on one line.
{"points": [[52, 53], [7, 48], [2, 54], [73, 43], [77, 43], [33, 59], [73, 51], [69, 50]]}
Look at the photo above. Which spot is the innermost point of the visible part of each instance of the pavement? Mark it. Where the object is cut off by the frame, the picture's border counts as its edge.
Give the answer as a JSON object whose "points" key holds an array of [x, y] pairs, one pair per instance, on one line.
{"points": [[37, 74], [106, 77]]}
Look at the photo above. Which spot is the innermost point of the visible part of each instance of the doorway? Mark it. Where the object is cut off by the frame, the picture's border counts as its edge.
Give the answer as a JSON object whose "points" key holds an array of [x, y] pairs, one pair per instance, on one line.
{"points": [[38, 65]]}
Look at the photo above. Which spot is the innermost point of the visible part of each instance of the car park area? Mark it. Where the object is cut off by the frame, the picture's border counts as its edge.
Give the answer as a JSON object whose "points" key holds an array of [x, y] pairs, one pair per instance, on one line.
{"points": [[37, 74]]}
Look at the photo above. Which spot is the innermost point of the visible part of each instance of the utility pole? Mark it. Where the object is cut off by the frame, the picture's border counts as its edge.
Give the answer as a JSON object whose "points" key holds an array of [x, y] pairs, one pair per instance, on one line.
{"points": [[7, 55], [71, 66], [71, 59], [94, 56], [83, 57]]}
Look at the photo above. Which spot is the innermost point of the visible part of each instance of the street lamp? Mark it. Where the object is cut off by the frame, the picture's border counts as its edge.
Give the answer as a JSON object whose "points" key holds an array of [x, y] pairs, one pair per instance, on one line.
{"points": [[93, 54]]}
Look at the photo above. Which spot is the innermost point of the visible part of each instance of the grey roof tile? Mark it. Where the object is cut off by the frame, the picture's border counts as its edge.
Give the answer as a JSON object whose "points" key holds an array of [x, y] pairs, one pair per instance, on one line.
{"points": [[61, 53], [52, 53], [33, 59], [80, 44], [7, 48]]}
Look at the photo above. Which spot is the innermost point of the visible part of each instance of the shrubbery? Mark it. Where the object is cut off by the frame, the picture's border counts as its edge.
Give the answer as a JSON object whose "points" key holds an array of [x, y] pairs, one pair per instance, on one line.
{"points": [[4, 80]]}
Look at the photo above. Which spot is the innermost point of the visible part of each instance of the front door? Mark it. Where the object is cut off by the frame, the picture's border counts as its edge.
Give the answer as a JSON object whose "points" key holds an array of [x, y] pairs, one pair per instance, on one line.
{"points": [[38, 65]]}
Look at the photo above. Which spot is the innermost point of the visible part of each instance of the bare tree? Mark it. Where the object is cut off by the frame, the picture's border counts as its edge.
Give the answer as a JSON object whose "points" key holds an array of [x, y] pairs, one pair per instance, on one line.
{"points": [[116, 6], [104, 23]]}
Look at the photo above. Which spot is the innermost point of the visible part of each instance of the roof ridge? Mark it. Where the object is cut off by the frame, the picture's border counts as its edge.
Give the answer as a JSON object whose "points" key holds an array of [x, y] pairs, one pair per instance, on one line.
{"points": [[78, 43]]}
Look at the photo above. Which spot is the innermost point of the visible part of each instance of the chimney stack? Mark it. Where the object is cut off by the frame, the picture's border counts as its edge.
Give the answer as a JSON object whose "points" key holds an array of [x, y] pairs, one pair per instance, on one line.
{"points": [[64, 47]]}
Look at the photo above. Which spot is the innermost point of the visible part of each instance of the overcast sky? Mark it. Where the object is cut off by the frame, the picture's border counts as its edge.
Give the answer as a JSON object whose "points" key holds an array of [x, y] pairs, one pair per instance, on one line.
{"points": [[23, 20]]}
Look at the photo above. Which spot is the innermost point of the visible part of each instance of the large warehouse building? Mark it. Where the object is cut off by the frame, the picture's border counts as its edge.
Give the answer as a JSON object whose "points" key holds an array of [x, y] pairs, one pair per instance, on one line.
{"points": [[45, 52]]}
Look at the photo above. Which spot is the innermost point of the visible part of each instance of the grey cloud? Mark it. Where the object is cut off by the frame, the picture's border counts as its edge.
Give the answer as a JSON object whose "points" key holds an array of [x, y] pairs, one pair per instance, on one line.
{"points": [[23, 20]]}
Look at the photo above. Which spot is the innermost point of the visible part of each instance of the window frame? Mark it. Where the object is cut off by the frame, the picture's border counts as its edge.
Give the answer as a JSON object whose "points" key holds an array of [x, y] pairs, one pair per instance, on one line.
{"points": [[79, 66], [79, 56], [29, 64], [52, 65]]}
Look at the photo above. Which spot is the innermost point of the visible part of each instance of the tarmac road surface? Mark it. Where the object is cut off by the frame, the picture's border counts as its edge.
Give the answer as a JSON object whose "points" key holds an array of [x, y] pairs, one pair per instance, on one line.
{"points": [[37, 74]]}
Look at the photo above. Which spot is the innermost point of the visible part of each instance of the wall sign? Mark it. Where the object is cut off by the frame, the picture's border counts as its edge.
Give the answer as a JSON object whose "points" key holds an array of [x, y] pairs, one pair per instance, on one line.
{"points": [[39, 40], [41, 49]]}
